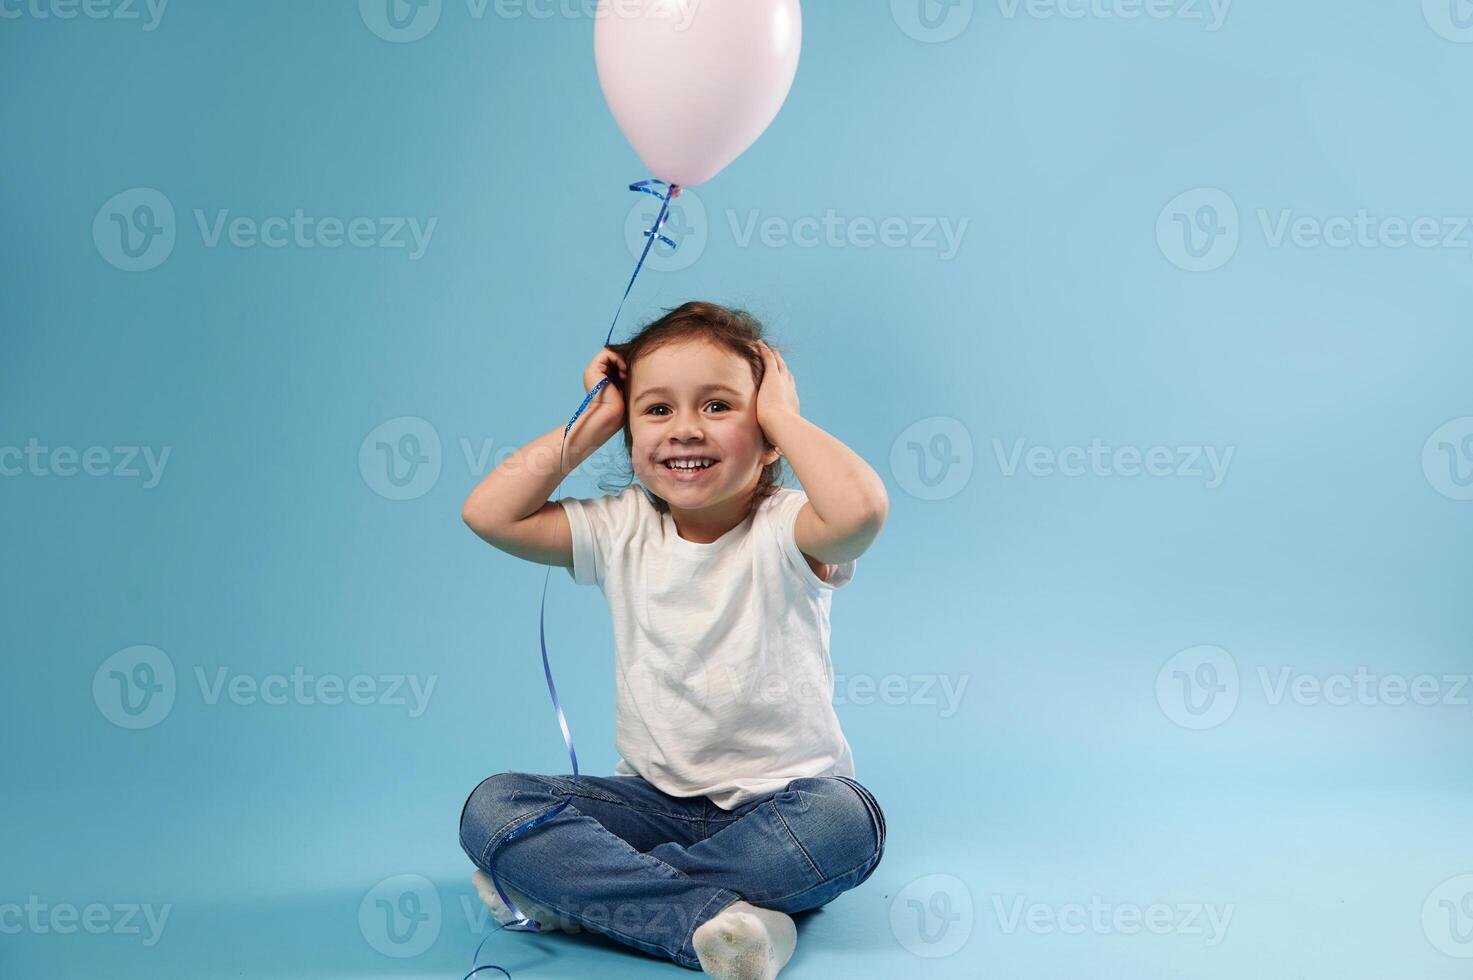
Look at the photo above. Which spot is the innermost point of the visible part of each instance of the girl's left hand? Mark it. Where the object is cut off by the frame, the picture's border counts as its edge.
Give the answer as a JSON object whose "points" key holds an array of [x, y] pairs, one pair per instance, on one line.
{"points": [[779, 392]]}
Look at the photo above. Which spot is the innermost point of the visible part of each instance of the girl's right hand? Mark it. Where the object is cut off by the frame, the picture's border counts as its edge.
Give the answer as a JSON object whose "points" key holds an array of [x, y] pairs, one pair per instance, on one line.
{"points": [[610, 398]]}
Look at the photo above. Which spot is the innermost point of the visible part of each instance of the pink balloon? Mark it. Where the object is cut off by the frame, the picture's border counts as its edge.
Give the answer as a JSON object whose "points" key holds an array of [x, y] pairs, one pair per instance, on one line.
{"points": [[693, 83]]}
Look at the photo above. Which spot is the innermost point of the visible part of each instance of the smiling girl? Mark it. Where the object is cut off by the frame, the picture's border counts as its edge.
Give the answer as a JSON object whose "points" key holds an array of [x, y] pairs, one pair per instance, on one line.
{"points": [[733, 803]]}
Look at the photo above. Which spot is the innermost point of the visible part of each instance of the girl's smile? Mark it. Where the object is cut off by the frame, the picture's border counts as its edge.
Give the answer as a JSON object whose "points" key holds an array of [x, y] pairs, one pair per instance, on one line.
{"points": [[689, 469]]}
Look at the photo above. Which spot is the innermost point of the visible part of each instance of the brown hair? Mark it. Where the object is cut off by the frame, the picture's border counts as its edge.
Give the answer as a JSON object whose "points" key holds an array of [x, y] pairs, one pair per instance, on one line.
{"points": [[732, 329]]}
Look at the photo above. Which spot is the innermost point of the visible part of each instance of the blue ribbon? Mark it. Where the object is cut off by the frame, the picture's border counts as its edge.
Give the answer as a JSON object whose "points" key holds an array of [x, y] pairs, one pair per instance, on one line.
{"points": [[522, 923]]}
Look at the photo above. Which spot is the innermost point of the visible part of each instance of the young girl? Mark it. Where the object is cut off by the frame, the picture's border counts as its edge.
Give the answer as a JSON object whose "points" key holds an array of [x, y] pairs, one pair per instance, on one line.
{"points": [[733, 802]]}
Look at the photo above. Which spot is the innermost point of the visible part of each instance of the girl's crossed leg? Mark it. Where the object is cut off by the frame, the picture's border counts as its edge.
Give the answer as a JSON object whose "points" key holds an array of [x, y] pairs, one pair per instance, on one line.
{"points": [[648, 869]]}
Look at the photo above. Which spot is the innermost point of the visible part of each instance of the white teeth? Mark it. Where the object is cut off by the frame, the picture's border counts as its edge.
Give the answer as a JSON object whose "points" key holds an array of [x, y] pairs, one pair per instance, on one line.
{"points": [[681, 464]]}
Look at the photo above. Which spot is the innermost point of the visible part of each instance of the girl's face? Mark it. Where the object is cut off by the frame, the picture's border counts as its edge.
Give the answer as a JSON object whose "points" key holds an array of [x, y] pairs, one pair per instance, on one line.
{"points": [[693, 399]]}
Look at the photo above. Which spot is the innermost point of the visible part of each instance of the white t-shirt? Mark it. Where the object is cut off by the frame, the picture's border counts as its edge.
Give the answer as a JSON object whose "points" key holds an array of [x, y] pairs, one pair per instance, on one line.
{"points": [[723, 682]]}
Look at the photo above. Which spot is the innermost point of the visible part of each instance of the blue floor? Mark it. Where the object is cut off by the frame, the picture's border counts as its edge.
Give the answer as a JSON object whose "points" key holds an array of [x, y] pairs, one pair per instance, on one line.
{"points": [[1247, 868]]}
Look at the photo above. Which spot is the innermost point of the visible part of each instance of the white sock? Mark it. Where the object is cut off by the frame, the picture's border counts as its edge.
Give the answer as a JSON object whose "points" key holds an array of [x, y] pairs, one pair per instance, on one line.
{"points": [[549, 921], [744, 942]]}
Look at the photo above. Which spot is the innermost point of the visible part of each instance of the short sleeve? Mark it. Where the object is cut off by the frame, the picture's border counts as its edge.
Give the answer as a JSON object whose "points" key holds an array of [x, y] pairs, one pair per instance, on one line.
{"points": [[596, 523], [789, 501]]}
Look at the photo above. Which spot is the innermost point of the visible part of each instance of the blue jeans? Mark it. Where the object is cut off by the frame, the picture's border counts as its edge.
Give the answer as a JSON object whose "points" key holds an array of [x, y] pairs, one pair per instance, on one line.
{"points": [[647, 869]]}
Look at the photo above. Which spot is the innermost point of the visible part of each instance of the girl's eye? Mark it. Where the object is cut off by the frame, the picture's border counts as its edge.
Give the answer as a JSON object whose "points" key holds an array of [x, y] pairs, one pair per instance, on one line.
{"points": [[723, 404]]}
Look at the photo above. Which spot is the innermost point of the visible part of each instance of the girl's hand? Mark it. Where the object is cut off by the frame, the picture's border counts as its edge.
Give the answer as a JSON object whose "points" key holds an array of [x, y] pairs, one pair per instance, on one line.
{"points": [[778, 394], [610, 398]]}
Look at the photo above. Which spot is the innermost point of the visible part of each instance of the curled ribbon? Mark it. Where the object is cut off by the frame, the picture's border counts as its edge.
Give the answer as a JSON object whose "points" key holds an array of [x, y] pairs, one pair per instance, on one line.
{"points": [[521, 923]]}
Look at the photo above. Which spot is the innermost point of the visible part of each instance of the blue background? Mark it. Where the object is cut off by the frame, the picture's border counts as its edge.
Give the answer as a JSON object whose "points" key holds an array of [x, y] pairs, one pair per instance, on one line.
{"points": [[1062, 319]]}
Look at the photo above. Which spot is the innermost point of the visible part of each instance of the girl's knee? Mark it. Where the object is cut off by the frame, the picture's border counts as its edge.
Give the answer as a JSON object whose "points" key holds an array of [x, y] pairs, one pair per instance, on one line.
{"points": [[840, 825], [487, 810]]}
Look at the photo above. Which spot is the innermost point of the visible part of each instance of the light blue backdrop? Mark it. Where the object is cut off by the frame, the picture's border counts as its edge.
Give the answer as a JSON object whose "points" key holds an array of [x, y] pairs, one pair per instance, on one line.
{"points": [[1225, 700]]}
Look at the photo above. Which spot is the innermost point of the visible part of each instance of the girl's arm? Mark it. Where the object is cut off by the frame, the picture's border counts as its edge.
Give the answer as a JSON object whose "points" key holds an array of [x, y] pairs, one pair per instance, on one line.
{"points": [[510, 510], [847, 502]]}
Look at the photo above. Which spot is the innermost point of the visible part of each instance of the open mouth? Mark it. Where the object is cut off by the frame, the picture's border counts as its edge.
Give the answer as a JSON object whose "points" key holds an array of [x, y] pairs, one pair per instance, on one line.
{"points": [[689, 470]]}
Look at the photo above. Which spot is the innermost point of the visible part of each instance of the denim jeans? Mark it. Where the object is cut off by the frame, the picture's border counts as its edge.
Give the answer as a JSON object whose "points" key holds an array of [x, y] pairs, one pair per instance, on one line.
{"points": [[647, 869]]}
